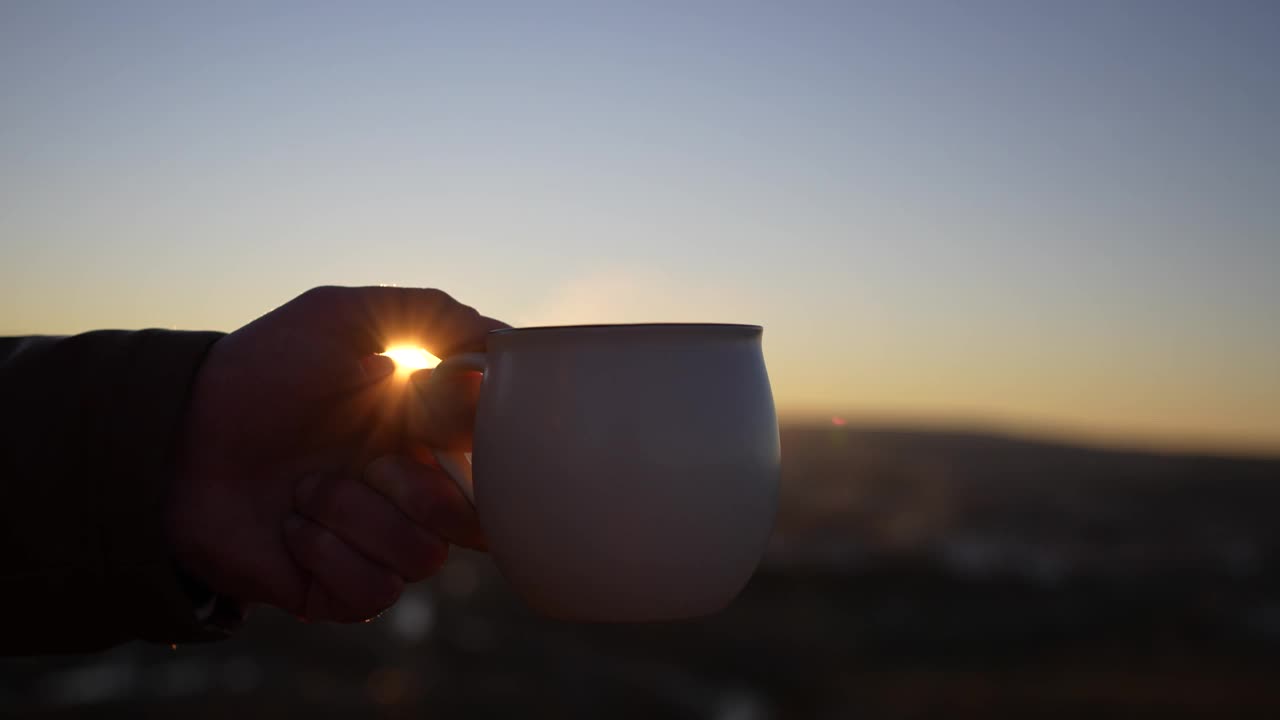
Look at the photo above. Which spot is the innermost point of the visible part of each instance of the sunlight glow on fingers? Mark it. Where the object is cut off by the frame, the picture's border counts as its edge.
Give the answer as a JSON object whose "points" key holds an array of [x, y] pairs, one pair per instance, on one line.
{"points": [[409, 358]]}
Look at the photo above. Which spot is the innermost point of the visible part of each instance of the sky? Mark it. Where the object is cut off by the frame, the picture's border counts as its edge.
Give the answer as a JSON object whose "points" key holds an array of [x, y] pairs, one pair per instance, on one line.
{"points": [[1043, 216]]}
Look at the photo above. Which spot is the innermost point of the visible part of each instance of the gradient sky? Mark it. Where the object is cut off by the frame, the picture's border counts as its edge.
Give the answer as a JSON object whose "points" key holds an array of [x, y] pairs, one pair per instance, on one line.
{"points": [[1053, 216]]}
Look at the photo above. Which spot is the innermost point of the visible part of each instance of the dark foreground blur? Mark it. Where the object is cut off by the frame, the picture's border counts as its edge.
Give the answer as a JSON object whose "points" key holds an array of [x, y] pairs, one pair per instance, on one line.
{"points": [[911, 575]]}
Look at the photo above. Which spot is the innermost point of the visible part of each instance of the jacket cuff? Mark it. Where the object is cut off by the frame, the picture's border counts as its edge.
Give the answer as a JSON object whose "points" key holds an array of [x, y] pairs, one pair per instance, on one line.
{"points": [[140, 432]]}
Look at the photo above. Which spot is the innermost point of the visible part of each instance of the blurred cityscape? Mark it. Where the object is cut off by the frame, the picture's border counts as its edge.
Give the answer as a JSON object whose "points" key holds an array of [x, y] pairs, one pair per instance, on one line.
{"points": [[911, 574]]}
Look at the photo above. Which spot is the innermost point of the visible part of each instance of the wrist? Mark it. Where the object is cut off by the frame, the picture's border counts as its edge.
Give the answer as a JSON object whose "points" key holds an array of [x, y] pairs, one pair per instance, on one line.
{"points": [[189, 531]]}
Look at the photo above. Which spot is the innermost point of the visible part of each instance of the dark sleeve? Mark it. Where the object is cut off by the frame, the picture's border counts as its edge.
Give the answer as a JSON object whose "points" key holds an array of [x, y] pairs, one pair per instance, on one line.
{"points": [[88, 430]]}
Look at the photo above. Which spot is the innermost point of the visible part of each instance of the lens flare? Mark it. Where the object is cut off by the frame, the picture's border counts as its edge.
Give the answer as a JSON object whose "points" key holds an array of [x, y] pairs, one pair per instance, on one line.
{"points": [[408, 358]]}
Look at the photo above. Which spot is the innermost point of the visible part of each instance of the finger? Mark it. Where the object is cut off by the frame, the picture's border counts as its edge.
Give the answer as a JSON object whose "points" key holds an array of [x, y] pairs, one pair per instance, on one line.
{"points": [[429, 496], [373, 414], [373, 318], [319, 606], [375, 368], [372, 524], [351, 588], [352, 429], [377, 414], [444, 416]]}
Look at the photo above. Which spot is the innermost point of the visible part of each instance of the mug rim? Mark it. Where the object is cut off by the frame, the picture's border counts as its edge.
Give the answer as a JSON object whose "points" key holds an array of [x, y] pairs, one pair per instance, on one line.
{"points": [[533, 329]]}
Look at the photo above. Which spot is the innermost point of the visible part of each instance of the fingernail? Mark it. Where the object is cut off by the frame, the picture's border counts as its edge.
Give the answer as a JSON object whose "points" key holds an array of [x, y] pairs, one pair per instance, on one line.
{"points": [[305, 488], [377, 366]]}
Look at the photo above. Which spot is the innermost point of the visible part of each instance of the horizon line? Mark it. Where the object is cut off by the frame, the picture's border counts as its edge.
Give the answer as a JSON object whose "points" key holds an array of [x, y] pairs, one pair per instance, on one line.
{"points": [[1035, 431]]}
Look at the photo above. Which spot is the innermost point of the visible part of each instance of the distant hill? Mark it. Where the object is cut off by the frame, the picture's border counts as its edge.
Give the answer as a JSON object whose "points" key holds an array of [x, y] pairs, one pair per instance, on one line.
{"points": [[983, 502], [912, 574]]}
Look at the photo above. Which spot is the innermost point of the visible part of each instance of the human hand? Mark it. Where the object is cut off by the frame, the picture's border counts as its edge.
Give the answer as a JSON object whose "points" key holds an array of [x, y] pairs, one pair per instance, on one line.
{"points": [[293, 488]]}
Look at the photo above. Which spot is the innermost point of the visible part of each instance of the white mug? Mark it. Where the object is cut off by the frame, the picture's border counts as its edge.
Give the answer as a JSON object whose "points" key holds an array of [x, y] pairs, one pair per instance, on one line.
{"points": [[622, 472]]}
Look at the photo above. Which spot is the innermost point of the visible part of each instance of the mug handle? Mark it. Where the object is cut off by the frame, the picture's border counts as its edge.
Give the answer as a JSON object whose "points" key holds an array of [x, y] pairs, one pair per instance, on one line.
{"points": [[455, 462]]}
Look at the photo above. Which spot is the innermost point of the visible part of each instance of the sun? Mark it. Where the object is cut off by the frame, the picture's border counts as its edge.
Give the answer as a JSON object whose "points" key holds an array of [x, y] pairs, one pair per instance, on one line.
{"points": [[409, 358]]}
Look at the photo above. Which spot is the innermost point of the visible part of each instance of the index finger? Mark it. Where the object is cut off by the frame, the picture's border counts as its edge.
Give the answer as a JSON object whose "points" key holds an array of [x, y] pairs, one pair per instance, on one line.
{"points": [[374, 318]]}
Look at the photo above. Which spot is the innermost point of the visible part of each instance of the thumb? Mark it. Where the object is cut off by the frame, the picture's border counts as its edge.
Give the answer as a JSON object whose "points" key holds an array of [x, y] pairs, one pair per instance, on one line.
{"points": [[376, 367], [443, 415]]}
